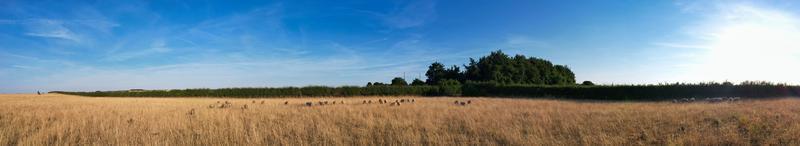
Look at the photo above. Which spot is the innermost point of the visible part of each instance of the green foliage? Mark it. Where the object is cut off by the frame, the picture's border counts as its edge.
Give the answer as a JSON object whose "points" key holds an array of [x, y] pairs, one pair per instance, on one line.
{"points": [[633, 92], [417, 82], [450, 87], [398, 81], [490, 89], [498, 67], [587, 83]]}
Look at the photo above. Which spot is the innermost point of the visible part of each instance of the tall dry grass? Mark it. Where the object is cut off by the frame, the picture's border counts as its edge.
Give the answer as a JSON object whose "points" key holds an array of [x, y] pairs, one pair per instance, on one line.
{"points": [[70, 120]]}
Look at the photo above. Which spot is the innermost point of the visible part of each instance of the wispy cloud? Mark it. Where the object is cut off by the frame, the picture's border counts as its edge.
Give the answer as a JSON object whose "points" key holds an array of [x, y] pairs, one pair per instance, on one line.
{"points": [[412, 15], [158, 46], [49, 29]]}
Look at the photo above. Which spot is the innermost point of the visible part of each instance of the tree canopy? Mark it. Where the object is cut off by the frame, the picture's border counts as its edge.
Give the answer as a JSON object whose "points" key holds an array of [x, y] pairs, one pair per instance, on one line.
{"points": [[500, 68]]}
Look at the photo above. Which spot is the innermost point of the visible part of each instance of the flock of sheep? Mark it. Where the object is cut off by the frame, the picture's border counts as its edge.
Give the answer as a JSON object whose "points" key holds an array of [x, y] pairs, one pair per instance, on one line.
{"points": [[395, 102], [709, 100]]}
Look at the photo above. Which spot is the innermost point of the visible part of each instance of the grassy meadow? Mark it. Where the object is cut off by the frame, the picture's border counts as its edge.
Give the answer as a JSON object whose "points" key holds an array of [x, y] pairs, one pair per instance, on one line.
{"points": [[56, 119]]}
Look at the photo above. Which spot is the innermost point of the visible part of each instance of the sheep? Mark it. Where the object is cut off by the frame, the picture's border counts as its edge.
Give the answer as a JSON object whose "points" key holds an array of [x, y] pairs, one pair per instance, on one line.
{"points": [[191, 112], [334, 102], [309, 103], [412, 100], [218, 101], [469, 101], [402, 100], [211, 106], [463, 104], [456, 102], [341, 101], [364, 102], [369, 102], [254, 101], [715, 100], [262, 102], [244, 106], [286, 103]]}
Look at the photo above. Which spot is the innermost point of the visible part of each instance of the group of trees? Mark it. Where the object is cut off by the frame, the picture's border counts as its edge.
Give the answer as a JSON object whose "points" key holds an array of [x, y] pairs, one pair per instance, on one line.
{"points": [[502, 69], [497, 68]]}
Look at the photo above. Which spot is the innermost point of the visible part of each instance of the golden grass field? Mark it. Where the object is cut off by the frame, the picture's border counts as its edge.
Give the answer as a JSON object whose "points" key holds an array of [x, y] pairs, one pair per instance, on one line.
{"points": [[55, 119]]}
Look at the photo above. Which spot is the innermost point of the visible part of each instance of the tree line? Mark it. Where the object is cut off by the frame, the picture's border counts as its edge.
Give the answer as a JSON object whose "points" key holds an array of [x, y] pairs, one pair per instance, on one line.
{"points": [[494, 75], [498, 68]]}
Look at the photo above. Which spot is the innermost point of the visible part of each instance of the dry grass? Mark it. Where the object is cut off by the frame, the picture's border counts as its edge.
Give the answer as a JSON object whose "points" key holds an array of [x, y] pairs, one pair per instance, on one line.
{"points": [[70, 120]]}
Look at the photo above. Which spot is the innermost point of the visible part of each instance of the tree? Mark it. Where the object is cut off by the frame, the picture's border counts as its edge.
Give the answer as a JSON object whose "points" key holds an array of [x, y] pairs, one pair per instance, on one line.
{"points": [[417, 82], [587, 83], [498, 67], [435, 73], [369, 84], [398, 81]]}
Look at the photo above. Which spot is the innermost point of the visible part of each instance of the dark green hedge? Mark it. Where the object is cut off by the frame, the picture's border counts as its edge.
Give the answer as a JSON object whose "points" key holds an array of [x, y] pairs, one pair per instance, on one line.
{"points": [[631, 92], [311, 91], [613, 92]]}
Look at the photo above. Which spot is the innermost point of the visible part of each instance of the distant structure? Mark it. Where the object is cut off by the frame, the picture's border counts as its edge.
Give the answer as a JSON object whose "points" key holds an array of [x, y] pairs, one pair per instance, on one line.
{"points": [[136, 90]]}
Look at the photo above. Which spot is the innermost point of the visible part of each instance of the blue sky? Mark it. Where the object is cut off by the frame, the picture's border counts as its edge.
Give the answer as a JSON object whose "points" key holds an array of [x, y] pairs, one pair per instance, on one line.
{"points": [[117, 45]]}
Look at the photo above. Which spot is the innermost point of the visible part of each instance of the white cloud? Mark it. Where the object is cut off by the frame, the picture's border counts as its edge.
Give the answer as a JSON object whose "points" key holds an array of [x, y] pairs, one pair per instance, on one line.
{"points": [[49, 29]]}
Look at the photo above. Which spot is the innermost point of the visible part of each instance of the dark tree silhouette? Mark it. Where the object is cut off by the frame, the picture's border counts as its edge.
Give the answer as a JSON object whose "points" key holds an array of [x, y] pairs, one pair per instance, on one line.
{"points": [[417, 82], [398, 81]]}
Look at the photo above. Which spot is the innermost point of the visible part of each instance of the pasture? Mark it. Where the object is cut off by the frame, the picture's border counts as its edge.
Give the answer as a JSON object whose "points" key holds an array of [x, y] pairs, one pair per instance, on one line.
{"points": [[56, 119]]}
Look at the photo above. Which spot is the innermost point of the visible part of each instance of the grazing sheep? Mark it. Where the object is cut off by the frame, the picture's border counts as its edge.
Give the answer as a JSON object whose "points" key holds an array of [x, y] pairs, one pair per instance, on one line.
{"points": [[262, 102], [674, 100], [463, 103], [218, 101], [334, 102], [226, 102], [369, 102], [469, 101], [412, 100], [402, 100], [191, 112], [211, 106], [254, 101], [308, 103], [456, 102], [244, 106], [715, 100], [286, 103], [326, 102], [341, 101], [364, 102], [320, 103]]}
